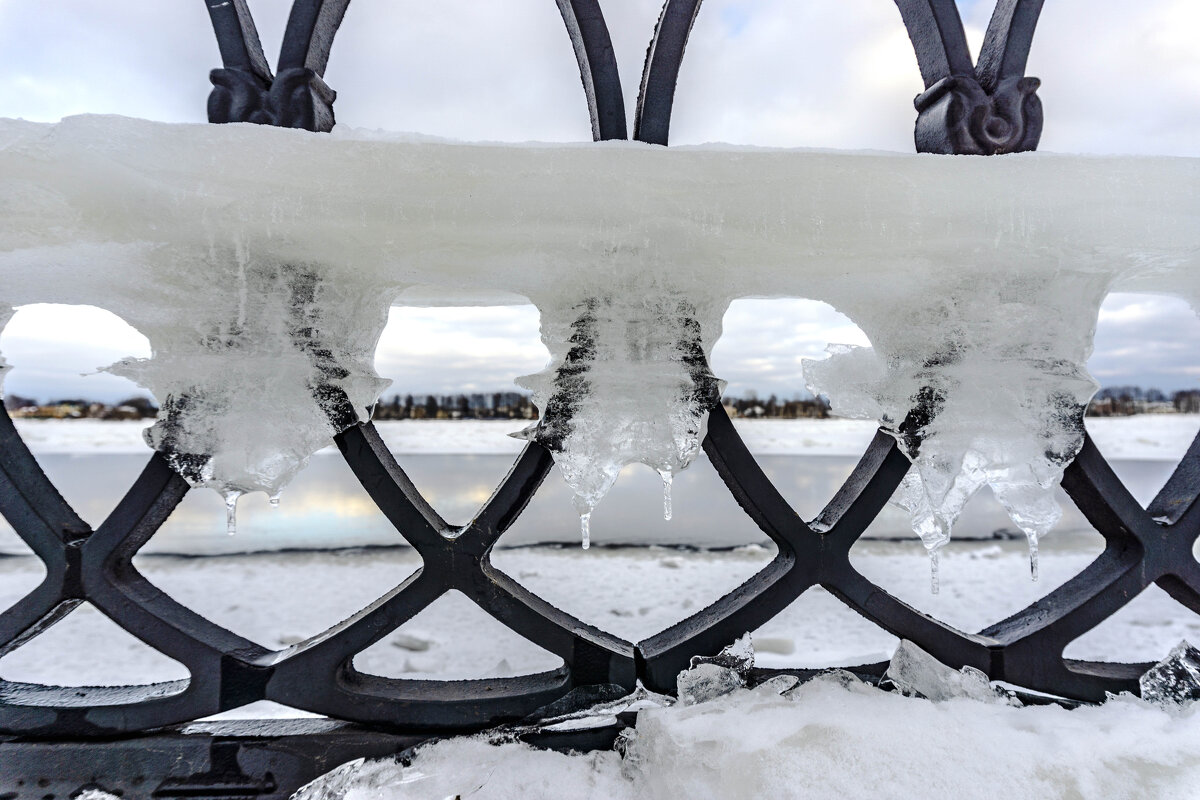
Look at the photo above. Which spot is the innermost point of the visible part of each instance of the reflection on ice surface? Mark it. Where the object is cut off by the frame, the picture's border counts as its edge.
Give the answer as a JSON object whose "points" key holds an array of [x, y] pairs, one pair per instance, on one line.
{"points": [[457, 465]]}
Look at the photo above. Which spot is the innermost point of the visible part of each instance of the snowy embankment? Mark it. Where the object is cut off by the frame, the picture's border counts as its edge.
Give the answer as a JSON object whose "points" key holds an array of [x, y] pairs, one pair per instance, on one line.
{"points": [[1147, 436], [823, 740]]}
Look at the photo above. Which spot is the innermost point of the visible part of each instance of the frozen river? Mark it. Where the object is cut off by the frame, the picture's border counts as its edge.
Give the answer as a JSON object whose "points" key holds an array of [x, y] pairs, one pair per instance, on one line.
{"points": [[456, 465]]}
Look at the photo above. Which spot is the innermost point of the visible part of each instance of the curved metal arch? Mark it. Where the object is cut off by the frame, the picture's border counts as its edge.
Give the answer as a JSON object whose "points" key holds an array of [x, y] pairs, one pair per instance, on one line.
{"points": [[311, 26], [597, 67], [656, 96], [244, 90], [1006, 44], [938, 38], [237, 38]]}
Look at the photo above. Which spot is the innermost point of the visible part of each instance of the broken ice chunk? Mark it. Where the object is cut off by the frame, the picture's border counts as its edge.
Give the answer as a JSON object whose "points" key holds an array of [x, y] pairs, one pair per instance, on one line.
{"points": [[629, 383], [777, 684], [707, 678], [1174, 680], [915, 672]]}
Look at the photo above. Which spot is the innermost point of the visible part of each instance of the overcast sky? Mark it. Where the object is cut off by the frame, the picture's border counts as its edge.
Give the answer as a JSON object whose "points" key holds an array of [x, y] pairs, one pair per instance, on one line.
{"points": [[1118, 77]]}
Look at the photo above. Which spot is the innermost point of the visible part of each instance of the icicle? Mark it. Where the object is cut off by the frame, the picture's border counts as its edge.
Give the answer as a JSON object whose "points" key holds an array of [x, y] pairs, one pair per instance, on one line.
{"points": [[231, 499], [934, 577], [274, 500], [666, 476], [585, 528], [1033, 555]]}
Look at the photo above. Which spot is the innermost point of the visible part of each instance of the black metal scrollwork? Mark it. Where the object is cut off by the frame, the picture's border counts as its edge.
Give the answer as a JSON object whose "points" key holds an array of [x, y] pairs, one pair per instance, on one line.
{"points": [[246, 91], [967, 109]]}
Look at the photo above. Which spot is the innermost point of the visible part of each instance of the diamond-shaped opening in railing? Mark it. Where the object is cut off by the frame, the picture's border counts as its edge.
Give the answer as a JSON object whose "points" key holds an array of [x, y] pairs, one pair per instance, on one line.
{"points": [[454, 639], [1147, 411], [452, 403], [818, 630], [1144, 629], [982, 581], [280, 598], [86, 648], [83, 426], [631, 592], [703, 513], [717, 100], [20, 570], [260, 710], [528, 90], [805, 453], [323, 508]]}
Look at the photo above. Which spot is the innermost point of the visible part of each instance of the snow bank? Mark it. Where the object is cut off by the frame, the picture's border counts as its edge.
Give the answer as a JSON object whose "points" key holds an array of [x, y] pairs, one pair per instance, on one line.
{"points": [[824, 739]]}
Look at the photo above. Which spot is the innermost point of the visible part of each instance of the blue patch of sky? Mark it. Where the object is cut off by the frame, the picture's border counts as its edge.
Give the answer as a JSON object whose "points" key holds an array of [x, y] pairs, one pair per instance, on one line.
{"points": [[967, 7], [734, 18]]}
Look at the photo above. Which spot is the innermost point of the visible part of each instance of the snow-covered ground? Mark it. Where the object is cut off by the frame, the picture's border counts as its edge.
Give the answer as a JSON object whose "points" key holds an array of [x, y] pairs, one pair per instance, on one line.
{"points": [[632, 592], [1147, 436]]}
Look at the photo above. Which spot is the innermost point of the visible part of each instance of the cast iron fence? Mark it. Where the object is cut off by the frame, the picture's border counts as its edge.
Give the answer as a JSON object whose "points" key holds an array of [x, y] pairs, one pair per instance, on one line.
{"points": [[135, 740]]}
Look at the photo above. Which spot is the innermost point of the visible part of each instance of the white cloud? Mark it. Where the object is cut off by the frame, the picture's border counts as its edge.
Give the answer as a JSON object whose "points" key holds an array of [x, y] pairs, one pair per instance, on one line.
{"points": [[450, 350]]}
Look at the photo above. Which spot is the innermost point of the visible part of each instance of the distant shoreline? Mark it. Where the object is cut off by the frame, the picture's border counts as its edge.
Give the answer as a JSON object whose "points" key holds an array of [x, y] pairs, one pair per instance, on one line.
{"points": [[1160, 437]]}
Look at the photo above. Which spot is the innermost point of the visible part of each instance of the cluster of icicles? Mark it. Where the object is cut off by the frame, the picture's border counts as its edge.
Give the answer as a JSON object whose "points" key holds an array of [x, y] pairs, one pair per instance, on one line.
{"points": [[629, 382], [261, 264]]}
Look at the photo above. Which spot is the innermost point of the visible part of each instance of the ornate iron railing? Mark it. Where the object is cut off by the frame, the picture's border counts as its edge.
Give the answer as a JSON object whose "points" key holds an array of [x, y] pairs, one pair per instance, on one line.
{"points": [[132, 739]]}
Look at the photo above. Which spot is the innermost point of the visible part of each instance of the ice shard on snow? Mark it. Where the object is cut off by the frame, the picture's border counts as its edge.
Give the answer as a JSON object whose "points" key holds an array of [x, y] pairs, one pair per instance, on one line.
{"points": [[915, 672], [1175, 679], [708, 678], [279, 364]]}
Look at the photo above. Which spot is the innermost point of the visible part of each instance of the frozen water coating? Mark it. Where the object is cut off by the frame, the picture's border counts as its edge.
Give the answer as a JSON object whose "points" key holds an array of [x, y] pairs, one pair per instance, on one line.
{"points": [[982, 385], [280, 362], [628, 383], [261, 262]]}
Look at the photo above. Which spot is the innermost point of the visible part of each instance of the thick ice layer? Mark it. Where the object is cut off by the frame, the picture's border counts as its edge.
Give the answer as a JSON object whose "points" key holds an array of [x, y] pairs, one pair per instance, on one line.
{"points": [[278, 363], [260, 263], [628, 382], [981, 385]]}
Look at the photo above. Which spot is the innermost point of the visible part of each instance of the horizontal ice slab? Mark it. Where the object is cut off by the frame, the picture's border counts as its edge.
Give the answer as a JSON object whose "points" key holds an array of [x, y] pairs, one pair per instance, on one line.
{"points": [[93, 198]]}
